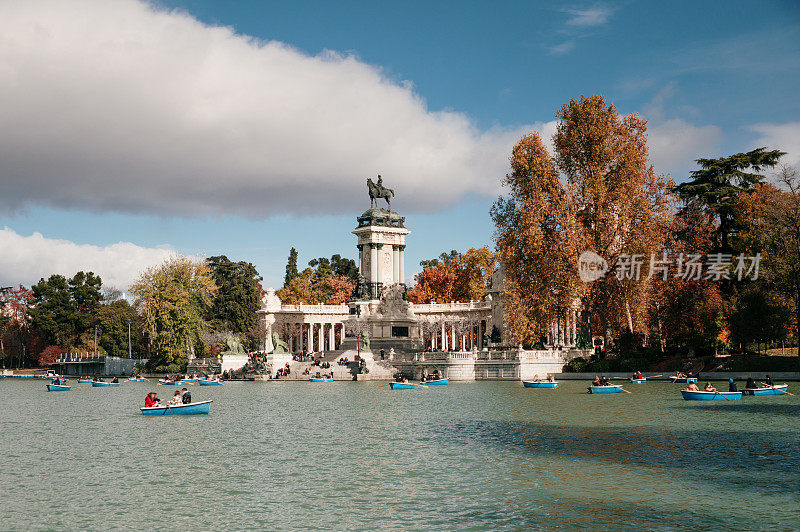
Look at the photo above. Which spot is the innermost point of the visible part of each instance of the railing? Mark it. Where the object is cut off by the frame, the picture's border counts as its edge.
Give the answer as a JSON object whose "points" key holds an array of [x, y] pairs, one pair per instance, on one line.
{"points": [[452, 306], [64, 357], [316, 309]]}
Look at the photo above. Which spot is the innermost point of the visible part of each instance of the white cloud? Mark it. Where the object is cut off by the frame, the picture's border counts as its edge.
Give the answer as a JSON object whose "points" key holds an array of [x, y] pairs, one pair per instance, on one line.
{"points": [[563, 48], [26, 259], [784, 137], [120, 106], [593, 16], [675, 144]]}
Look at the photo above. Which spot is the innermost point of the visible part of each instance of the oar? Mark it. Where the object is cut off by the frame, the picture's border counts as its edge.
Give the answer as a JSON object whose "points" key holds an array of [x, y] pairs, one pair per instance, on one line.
{"points": [[624, 390], [382, 385], [776, 388], [654, 376], [423, 385], [717, 393]]}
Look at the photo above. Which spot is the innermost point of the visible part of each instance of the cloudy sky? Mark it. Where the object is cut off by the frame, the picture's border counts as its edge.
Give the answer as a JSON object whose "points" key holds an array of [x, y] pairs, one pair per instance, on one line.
{"points": [[132, 130]]}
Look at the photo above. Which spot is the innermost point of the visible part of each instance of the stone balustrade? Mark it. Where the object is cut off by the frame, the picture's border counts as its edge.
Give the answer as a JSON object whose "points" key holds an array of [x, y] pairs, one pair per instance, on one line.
{"points": [[316, 309], [448, 307]]}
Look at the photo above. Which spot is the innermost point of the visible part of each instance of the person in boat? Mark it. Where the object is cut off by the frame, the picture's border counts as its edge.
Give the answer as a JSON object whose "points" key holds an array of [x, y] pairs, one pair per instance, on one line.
{"points": [[768, 381], [115, 379], [604, 381], [709, 388], [638, 375], [596, 381], [680, 374], [151, 400], [692, 387], [176, 398], [186, 396], [732, 385], [550, 378], [751, 383]]}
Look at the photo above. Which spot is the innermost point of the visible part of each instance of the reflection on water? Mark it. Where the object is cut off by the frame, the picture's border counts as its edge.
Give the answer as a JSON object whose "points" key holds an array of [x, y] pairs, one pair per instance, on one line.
{"points": [[356, 456]]}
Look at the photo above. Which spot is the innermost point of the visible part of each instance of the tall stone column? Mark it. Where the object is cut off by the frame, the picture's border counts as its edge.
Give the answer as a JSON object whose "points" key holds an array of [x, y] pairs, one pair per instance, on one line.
{"points": [[472, 337], [321, 337], [331, 339], [360, 258], [444, 338], [268, 319], [401, 274], [373, 264], [310, 337], [396, 264], [291, 341], [453, 337]]}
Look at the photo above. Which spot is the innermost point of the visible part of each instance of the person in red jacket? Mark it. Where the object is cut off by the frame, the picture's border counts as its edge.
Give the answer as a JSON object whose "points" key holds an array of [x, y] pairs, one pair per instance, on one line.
{"points": [[151, 400]]}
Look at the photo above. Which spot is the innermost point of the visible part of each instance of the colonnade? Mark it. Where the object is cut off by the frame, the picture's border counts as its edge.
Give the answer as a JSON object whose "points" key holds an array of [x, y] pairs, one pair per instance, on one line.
{"points": [[564, 330], [312, 337], [452, 336]]}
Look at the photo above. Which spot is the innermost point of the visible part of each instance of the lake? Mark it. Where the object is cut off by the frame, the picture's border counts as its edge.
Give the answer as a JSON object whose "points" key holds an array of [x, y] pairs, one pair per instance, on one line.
{"points": [[357, 456]]}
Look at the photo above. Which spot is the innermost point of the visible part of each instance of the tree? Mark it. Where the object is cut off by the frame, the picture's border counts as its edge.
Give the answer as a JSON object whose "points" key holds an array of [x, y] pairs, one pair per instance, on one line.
{"points": [[238, 296], [62, 309], [444, 258], [113, 320], [719, 181], [768, 218], [336, 266], [291, 267], [458, 277], [16, 339], [173, 299], [624, 209], [535, 235]]}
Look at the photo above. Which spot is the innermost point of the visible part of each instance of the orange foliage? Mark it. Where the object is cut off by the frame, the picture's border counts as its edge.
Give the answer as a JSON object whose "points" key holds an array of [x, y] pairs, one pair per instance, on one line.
{"points": [[465, 278]]}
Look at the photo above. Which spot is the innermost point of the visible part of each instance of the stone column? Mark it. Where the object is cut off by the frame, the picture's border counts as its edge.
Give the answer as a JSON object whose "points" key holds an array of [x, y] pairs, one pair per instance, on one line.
{"points": [[379, 266], [472, 336], [453, 337], [444, 338], [268, 319], [291, 341], [360, 258], [396, 264], [373, 263], [401, 274], [321, 337], [331, 339], [310, 337]]}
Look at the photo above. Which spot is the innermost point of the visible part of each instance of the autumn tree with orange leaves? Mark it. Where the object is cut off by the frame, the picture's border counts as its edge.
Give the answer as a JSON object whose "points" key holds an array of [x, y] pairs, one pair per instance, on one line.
{"points": [[606, 199], [463, 277]]}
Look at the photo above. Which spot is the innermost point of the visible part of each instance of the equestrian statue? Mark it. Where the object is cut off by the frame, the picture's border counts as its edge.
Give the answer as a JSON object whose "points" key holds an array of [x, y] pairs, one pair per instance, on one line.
{"points": [[378, 191]]}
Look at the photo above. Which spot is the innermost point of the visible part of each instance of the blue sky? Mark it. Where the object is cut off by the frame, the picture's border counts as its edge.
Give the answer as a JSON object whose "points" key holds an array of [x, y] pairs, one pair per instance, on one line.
{"points": [[340, 102]]}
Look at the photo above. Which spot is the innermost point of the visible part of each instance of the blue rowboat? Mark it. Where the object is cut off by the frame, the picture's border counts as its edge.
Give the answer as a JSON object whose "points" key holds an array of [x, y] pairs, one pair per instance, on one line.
{"points": [[689, 395], [401, 386], [136, 380], [320, 380], [540, 384], [639, 381], [57, 388], [84, 381], [96, 384], [436, 382], [62, 380], [612, 388], [687, 380], [780, 389], [201, 407], [209, 383], [172, 383]]}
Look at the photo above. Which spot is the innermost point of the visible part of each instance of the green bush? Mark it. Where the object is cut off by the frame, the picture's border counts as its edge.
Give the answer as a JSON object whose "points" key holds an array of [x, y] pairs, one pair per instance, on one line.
{"points": [[576, 365]]}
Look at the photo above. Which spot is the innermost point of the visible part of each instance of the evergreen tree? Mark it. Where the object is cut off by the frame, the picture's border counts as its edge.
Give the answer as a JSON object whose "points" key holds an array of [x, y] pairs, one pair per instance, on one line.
{"points": [[235, 305], [719, 181], [291, 268]]}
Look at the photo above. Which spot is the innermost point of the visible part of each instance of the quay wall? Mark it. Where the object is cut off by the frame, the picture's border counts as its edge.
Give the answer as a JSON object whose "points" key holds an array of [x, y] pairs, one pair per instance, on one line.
{"points": [[704, 375]]}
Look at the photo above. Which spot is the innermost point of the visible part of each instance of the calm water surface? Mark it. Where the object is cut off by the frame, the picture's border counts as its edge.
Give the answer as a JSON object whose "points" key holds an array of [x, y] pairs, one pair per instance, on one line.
{"points": [[485, 455]]}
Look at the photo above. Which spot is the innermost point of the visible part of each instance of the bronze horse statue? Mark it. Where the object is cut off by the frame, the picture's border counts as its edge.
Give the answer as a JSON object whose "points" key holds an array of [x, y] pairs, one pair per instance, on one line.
{"points": [[378, 191]]}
